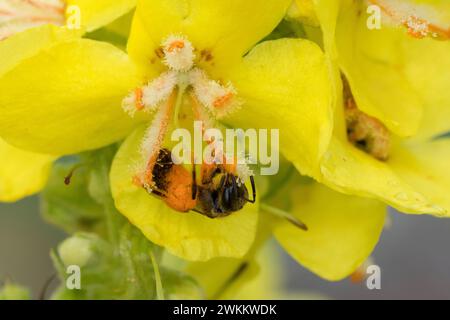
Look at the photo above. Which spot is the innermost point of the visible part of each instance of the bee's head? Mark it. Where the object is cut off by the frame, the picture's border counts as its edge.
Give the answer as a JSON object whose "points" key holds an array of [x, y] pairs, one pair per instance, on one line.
{"points": [[232, 196]]}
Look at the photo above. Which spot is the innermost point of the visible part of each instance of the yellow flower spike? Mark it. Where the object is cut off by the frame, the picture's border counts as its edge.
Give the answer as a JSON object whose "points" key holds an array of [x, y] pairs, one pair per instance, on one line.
{"points": [[262, 81], [21, 173], [68, 97], [342, 231], [188, 235]]}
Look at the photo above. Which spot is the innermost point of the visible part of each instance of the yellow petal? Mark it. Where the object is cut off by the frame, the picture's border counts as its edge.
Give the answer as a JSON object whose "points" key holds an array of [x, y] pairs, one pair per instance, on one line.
{"points": [[349, 170], [427, 66], [67, 98], [227, 29], [188, 235], [285, 85], [327, 13], [98, 13], [21, 173], [343, 231], [425, 166], [28, 43], [372, 63]]}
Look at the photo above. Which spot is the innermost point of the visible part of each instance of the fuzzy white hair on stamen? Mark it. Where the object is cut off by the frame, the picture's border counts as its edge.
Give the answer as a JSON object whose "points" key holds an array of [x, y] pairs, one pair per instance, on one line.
{"points": [[129, 104], [220, 100], [153, 137], [153, 94], [159, 90], [178, 53]]}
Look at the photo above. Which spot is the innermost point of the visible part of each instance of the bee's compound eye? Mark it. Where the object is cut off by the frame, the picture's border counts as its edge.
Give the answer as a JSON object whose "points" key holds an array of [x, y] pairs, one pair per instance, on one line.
{"points": [[227, 196]]}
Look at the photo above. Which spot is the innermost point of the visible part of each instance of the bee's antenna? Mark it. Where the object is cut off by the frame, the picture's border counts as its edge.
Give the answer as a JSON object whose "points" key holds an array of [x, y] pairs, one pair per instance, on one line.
{"points": [[284, 215], [223, 180], [235, 191], [68, 178]]}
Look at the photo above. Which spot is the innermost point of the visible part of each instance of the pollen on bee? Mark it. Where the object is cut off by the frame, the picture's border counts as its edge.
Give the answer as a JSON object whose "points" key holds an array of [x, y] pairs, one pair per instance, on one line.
{"points": [[137, 181], [178, 53]]}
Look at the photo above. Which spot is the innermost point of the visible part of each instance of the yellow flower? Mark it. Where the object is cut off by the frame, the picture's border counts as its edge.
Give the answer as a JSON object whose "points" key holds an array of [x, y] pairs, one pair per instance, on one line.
{"points": [[67, 99], [27, 28], [389, 139]]}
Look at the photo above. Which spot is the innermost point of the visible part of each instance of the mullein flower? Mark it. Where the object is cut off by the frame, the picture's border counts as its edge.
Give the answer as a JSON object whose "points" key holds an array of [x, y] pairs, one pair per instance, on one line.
{"points": [[69, 97], [392, 106], [27, 28]]}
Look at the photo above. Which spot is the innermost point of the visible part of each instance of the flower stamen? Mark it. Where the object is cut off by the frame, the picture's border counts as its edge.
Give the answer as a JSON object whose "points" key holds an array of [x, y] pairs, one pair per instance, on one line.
{"points": [[153, 140], [138, 96], [178, 53], [363, 131], [220, 100], [151, 95]]}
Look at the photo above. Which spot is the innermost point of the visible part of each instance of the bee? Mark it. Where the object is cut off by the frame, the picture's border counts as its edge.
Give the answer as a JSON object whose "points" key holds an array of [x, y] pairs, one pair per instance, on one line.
{"points": [[219, 194]]}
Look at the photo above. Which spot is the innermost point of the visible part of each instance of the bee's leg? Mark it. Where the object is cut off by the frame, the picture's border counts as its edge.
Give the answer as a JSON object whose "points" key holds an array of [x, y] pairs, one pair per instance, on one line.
{"points": [[194, 182], [155, 191], [158, 193], [235, 189], [252, 181], [223, 180]]}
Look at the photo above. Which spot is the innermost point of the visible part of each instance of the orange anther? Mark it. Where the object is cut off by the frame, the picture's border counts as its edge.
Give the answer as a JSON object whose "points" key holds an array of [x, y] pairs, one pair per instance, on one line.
{"points": [[176, 45], [139, 94], [221, 101]]}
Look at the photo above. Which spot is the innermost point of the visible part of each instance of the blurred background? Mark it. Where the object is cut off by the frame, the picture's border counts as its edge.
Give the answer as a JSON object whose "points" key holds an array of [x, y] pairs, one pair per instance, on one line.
{"points": [[413, 254]]}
